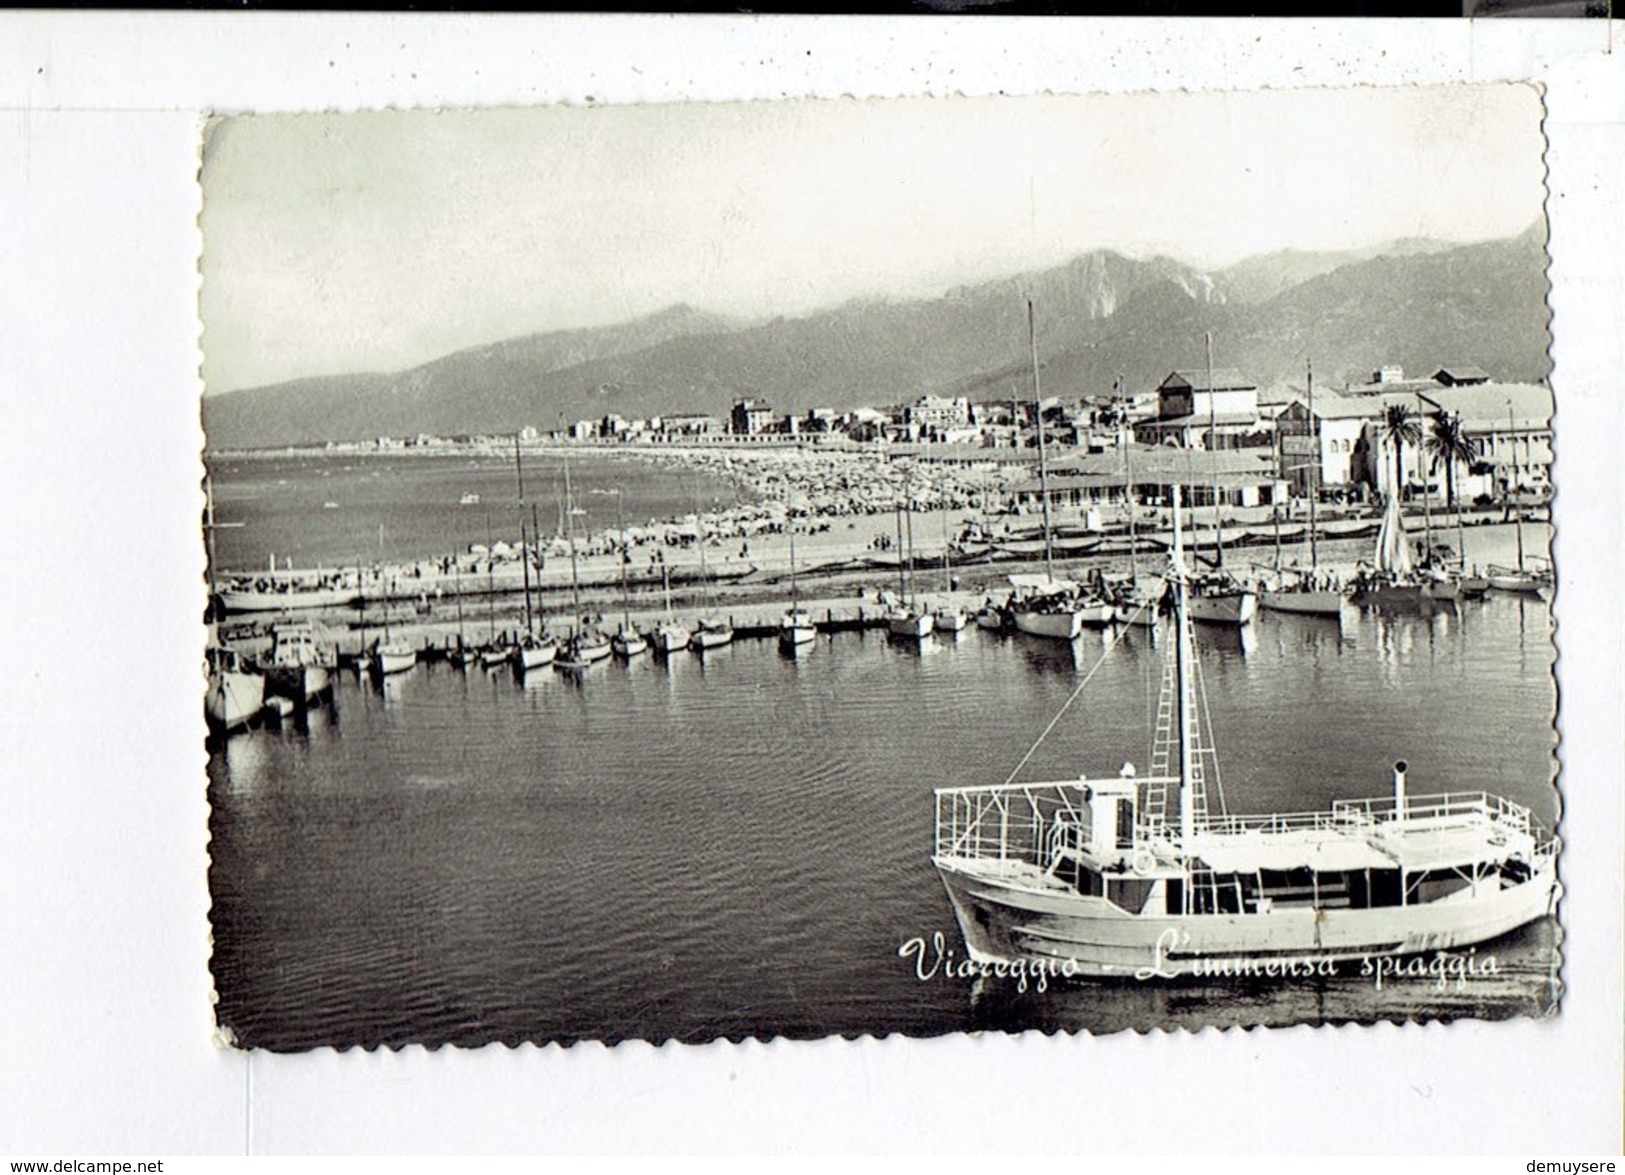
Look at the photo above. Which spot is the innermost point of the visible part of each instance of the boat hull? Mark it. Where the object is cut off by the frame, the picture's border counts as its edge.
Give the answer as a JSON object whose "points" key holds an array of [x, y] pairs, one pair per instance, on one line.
{"points": [[710, 638], [255, 601], [1065, 626], [1304, 603], [300, 684], [951, 621], [795, 631], [669, 638], [234, 699], [1223, 607], [1092, 938], [539, 656], [911, 627], [629, 644], [990, 619], [391, 659]]}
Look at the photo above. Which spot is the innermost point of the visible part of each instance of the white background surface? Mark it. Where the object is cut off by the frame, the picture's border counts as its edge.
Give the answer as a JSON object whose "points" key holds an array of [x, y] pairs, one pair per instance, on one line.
{"points": [[104, 990]]}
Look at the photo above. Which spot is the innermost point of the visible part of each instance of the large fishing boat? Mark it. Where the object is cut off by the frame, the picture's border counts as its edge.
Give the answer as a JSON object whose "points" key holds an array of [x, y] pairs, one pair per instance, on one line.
{"points": [[269, 594], [299, 667], [1149, 877]]}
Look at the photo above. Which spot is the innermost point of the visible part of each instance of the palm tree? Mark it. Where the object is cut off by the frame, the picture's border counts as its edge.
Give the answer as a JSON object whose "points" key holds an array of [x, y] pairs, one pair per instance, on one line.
{"points": [[1449, 444], [1400, 427]]}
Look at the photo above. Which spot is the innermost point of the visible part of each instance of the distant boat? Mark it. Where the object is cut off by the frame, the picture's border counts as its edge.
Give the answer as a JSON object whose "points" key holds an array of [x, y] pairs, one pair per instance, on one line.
{"points": [[990, 617], [628, 642], [1393, 580], [907, 619], [534, 652], [469, 500], [586, 646], [711, 634], [297, 669], [580, 651], [795, 626], [1296, 591], [1149, 878], [284, 597]]}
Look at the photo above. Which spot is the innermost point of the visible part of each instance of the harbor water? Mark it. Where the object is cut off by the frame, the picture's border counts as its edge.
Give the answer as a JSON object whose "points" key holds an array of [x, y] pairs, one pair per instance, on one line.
{"points": [[740, 845]]}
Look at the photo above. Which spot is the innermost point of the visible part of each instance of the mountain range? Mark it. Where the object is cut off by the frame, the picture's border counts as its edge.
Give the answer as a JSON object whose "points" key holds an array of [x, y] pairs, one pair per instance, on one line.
{"points": [[1419, 304]]}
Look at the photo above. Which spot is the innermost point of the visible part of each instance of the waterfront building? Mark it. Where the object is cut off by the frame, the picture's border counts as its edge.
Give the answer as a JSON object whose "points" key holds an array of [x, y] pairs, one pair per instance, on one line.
{"points": [[750, 417], [1245, 477], [1195, 410]]}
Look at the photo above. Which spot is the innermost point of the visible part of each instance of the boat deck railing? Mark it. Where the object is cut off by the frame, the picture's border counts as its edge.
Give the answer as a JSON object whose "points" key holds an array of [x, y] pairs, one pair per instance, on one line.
{"points": [[1011, 822]]}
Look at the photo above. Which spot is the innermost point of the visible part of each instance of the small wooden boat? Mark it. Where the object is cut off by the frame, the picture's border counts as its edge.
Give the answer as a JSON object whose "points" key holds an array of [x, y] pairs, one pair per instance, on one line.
{"points": [[586, 649], [796, 628], [534, 652], [628, 642], [392, 657], [910, 623], [711, 634], [990, 617], [669, 637], [951, 619]]}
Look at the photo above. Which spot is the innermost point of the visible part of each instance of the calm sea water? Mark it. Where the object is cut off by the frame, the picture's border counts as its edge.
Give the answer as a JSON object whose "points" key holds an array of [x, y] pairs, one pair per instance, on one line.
{"points": [[396, 507], [739, 846]]}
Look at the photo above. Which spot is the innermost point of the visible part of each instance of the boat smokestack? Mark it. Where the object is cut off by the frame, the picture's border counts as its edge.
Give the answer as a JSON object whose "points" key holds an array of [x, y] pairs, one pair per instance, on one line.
{"points": [[1400, 767]]}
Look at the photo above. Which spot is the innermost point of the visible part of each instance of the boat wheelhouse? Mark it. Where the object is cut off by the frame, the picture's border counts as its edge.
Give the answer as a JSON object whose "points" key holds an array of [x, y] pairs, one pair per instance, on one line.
{"points": [[1150, 878]]}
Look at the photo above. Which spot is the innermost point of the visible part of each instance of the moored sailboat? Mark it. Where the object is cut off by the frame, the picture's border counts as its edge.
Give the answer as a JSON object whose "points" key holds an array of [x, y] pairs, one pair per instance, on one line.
{"points": [[796, 626], [1295, 590], [586, 645], [1150, 878]]}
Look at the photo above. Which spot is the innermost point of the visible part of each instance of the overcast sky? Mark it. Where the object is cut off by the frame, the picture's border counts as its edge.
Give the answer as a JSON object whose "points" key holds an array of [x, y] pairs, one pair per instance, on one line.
{"points": [[373, 242]]}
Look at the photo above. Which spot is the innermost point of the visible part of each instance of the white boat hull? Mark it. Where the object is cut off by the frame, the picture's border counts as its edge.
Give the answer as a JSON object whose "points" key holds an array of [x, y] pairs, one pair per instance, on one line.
{"points": [[580, 654], [669, 638], [797, 629], [629, 644], [538, 656], [991, 619], [710, 638], [911, 627], [391, 659], [1065, 626], [234, 699], [1006, 922], [951, 620], [1302, 603], [1223, 607], [244, 600]]}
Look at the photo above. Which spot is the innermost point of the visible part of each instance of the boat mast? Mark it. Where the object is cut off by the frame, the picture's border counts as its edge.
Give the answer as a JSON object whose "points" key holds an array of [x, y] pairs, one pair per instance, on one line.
{"points": [[524, 541], [457, 585], [1427, 492], [795, 595], [208, 529], [490, 578], [1043, 460], [570, 535], [623, 550], [902, 588], [1182, 671], [1128, 479], [908, 516], [536, 538], [1314, 469], [1517, 506], [1213, 440]]}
